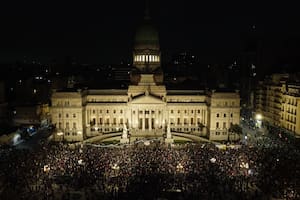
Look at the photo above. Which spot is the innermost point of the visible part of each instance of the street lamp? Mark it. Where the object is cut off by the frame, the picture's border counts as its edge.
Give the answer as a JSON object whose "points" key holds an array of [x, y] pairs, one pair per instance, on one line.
{"points": [[258, 118]]}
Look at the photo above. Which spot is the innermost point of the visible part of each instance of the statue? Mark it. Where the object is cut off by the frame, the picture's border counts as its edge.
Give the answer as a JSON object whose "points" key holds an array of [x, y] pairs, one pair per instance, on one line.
{"points": [[124, 135], [168, 131], [169, 138]]}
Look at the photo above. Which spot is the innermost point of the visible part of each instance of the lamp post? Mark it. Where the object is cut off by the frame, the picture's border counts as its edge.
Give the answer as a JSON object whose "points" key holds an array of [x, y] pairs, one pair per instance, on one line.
{"points": [[258, 118]]}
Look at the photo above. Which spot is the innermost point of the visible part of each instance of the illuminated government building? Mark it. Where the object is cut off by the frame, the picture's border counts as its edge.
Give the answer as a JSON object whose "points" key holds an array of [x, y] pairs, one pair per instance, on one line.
{"points": [[147, 107]]}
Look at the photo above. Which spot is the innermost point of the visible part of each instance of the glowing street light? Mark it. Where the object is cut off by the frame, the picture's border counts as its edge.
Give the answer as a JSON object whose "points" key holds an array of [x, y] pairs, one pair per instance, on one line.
{"points": [[258, 117]]}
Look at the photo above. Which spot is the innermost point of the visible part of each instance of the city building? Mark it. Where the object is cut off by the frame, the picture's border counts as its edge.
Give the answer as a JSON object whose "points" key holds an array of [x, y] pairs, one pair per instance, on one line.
{"points": [[277, 102], [147, 107]]}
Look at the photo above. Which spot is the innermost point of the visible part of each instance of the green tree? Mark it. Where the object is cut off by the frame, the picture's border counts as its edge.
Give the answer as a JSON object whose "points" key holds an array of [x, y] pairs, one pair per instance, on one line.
{"points": [[236, 130]]}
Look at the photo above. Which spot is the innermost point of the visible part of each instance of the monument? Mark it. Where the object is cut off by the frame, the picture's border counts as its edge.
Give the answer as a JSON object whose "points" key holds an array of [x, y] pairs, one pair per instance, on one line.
{"points": [[124, 138], [169, 138]]}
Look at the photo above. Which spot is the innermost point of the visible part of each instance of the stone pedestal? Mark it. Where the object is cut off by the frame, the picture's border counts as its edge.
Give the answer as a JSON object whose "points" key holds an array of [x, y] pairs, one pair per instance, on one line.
{"points": [[124, 140], [169, 140]]}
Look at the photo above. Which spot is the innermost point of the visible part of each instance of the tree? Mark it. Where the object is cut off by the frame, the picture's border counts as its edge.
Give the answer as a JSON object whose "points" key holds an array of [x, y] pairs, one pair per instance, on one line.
{"points": [[236, 130]]}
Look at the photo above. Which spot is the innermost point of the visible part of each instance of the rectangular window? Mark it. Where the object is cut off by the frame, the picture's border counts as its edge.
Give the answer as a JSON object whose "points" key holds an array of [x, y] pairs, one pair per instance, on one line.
{"points": [[100, 121], [185, 121], [192, 121], [67, 125], [178, 120], [121, 121], [74, 125], [217, 124], [224, 124]]}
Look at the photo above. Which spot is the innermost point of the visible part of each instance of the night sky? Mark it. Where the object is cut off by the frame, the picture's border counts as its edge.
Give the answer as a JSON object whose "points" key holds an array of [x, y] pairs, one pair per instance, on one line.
{"points": [[103, 32]]}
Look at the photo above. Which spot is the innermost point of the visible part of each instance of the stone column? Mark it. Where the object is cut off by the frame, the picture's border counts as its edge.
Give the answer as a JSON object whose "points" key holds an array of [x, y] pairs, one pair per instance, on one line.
{"points": [[150, 120], [143, 121]]}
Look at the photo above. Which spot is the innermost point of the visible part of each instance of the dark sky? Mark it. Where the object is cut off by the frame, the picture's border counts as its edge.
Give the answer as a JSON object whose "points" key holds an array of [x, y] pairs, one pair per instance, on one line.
{"points": [[102, 32]]}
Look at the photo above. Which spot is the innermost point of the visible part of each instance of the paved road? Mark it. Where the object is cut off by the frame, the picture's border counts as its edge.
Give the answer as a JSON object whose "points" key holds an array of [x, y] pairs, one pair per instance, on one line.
{"points": [[253, 135]]}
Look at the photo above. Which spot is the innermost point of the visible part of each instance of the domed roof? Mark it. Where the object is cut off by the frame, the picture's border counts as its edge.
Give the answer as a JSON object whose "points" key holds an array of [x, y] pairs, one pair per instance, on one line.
{"points": [[146, 36]]}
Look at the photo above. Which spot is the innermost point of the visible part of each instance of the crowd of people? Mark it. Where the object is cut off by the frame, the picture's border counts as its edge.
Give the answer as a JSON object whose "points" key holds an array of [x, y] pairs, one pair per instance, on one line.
{"points": [[152, 171]]}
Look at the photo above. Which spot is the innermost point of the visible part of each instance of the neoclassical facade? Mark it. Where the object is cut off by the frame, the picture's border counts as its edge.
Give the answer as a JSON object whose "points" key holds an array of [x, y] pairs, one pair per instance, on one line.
{"points": [[147, 107]]}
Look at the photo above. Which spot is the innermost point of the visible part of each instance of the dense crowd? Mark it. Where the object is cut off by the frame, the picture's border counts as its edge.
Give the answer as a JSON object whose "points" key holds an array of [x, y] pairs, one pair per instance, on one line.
{"points": [[188, 171]]}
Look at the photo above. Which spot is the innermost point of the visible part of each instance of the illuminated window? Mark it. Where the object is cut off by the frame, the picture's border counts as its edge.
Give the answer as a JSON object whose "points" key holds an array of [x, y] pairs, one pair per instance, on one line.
{"points": [[143, 58]]}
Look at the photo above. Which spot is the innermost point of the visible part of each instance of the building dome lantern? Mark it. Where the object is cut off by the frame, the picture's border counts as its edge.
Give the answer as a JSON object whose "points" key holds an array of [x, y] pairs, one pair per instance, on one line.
{"points": [[146, 53]]}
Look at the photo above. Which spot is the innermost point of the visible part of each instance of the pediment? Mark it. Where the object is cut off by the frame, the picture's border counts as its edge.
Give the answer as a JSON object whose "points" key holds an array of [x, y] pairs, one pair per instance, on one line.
{"points": [[147, 99]]}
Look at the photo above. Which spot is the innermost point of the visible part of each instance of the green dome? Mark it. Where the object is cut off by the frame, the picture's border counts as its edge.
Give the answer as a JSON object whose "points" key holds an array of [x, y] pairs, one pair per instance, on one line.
{"points": [[146, 37]]}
